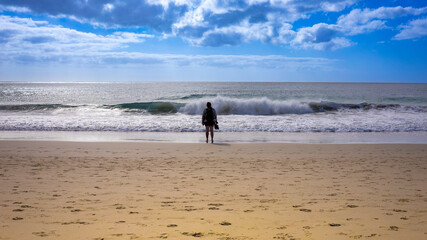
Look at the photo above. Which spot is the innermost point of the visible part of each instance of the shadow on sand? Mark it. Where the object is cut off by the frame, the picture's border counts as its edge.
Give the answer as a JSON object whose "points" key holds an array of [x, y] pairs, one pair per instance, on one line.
{"points": [[221, 144]]}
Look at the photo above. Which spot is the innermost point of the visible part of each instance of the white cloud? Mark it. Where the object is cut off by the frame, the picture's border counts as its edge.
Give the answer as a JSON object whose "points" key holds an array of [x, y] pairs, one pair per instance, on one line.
{"points": [[307, 6], [14, 9], [285, 34], [217, 23], [236, 34], [336, 6], [363, 21], [108, 7], [181, 60], [213, 24], [363, 28], [110, 58], [320, 36], [414, 29], [24, 34]]}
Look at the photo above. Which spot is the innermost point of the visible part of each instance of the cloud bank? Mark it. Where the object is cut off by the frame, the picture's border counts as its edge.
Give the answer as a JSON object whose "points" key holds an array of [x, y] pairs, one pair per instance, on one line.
{"points": [[218, 23], [28, 41]]}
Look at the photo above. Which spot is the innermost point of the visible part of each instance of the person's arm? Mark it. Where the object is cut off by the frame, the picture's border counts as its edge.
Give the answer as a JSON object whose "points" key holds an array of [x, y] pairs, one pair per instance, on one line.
{"points": [[216, 120]]}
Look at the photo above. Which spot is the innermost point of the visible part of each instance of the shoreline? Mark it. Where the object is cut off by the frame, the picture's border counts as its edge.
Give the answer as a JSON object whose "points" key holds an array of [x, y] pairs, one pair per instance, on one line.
{"points": [[143, 190], [220, 137]]}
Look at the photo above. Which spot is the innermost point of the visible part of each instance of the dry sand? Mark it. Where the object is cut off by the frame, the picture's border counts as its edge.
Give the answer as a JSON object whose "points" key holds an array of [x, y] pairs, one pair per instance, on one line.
{"points": [[66, 190]]}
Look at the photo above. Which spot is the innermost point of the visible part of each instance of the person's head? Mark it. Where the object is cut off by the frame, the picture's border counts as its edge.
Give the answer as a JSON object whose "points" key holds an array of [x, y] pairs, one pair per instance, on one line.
{"points": [[209, 105]]}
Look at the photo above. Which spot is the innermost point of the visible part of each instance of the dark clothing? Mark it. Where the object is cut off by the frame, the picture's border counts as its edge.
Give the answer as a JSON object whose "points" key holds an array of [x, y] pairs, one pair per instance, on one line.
{"points": [[209, 115]]}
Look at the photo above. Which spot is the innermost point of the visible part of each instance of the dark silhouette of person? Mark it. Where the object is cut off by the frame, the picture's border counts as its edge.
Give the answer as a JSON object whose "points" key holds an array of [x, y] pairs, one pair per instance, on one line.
{"points": [[209, 119]]}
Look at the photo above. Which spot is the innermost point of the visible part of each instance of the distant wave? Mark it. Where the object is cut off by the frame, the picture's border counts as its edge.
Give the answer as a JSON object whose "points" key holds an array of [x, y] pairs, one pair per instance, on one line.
{"points": [[34, 107], [197, 96], [332, 106], [187, 97], [151, 107]]}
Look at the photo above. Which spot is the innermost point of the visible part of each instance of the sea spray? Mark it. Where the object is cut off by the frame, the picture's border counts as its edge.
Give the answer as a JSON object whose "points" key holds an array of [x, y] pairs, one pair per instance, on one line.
{"points": [[253, 106]]}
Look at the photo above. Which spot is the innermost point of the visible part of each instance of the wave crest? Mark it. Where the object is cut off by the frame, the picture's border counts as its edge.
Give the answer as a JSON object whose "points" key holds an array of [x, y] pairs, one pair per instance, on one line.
{"points": [[255, 106], [151, 107], [34, 107]]}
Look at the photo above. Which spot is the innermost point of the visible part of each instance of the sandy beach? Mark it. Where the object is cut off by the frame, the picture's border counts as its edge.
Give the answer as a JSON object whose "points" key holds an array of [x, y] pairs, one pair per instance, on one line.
{"points": [[142, 190]]}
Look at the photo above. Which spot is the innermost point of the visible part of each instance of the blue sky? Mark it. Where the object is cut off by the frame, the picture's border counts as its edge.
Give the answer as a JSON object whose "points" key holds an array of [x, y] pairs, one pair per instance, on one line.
{"points": [[213, 40]]}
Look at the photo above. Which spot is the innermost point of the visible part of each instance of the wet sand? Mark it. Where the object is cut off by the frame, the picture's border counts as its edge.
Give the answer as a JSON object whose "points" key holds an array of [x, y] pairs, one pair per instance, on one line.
{"points": [[80, 190]]}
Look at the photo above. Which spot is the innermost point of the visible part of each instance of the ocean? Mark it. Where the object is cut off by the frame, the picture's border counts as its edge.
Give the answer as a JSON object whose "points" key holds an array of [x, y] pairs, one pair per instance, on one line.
{"points": [[242, 107]]}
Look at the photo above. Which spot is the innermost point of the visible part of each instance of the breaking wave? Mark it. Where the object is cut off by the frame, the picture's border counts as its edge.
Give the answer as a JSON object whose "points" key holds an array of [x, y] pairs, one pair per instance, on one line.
{"points": [[255, 106], [235, 115], [223, 106], [265, 106]]}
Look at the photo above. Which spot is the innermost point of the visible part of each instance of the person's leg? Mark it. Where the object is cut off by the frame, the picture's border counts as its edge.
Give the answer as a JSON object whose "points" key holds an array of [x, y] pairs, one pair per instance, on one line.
{"points": [[212, 133], [207, 133]]}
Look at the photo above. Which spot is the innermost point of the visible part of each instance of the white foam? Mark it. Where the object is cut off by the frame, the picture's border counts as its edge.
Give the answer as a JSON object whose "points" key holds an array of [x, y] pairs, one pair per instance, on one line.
{"points": [[341, 121], [253, 106]]}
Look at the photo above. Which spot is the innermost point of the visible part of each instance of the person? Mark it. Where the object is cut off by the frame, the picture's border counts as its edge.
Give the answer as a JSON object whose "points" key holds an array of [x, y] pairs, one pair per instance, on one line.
{"points": [[209, 120]]}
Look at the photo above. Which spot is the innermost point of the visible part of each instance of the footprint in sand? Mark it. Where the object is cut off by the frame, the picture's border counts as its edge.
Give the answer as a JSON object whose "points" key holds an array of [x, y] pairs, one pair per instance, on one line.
{"points": [[394, 228], [196, 234], [352, 206], [372, 235], [40, 234], [398, 210], [215, 204], [284, 236]]}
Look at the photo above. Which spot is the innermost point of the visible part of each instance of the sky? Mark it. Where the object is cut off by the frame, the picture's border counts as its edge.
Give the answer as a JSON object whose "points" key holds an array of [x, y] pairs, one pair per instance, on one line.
{"points": [[213, 40]]}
